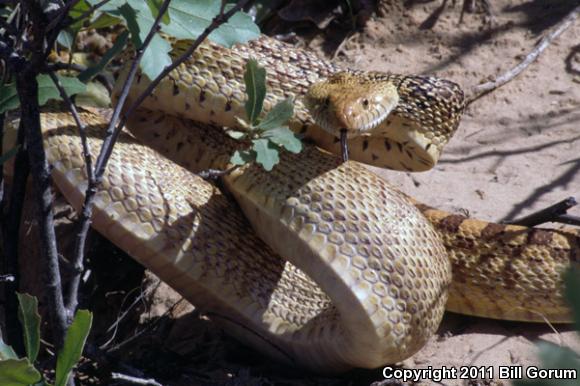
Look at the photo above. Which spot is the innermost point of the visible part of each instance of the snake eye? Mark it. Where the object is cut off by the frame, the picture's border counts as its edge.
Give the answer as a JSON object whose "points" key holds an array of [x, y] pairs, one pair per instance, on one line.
{"points": [[327, 102], [365, 103]]}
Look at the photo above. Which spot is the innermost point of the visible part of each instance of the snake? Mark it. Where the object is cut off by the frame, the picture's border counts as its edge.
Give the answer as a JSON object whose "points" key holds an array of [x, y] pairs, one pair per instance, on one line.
{"points": [[318, 263]]}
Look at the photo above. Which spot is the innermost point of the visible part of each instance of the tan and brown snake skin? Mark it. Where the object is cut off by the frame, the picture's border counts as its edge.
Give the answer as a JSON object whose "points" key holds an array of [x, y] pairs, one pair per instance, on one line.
{"points": [[347, 271]]}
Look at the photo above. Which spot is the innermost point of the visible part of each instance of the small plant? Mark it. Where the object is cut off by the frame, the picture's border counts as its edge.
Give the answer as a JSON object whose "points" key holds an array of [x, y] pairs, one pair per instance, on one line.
{"points": [[268, 135], [558, 357], [16, 371]]}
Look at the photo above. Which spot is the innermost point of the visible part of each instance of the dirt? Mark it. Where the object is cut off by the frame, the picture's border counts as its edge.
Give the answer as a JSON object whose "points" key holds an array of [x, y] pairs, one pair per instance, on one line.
{"points": [[517, 149]]}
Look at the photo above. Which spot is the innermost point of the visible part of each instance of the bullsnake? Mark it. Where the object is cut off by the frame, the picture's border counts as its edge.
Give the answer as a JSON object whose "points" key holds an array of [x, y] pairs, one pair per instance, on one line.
{"points": [[337, 269]]}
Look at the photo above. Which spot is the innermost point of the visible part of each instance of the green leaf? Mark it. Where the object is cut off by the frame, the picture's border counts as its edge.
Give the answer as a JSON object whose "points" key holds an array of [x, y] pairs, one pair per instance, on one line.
{"points": [[572, 292], [66, 39], [77, 11], [255, 79], [156, 57], [139, 21], [6, 351], [284, 137], [266, 154], [190, 18], [72, 350], [242, 157], [30, 320], [18, 372], [154, 7], [187, 20], [96, 95], [120, 43], [278, 116], [8, 97], [104, 20], [9, 154], [47, 89], [130, 16]]}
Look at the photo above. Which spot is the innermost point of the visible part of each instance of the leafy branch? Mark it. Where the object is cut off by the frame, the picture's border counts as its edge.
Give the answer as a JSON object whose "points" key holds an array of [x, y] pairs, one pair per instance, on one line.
{"points": [[31, 82], [17, 371], [264, 137]]}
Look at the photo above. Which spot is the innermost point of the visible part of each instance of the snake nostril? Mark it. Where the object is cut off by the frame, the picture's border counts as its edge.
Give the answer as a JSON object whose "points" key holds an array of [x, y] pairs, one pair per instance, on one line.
{"points": [[365, 103]]}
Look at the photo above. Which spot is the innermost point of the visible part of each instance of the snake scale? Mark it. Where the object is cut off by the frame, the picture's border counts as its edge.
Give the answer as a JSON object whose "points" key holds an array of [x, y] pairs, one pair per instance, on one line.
{"points": [[326, 265]]}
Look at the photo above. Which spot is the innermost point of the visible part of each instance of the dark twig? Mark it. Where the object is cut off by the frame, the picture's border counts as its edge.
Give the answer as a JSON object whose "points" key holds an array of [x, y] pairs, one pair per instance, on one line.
{"points": [[553, 213], [56, 21], [135, 380], [30, 116], [78, 257], [484, 88], [568, 219], [214, 174]]}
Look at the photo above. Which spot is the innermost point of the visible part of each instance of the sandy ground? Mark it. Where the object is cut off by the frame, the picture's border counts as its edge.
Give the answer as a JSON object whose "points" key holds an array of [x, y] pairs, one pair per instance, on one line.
{"points": [[517, 149]]}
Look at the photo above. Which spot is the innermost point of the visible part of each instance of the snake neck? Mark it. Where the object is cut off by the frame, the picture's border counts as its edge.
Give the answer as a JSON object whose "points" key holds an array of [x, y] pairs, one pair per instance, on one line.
{"points": [[209, 88]]}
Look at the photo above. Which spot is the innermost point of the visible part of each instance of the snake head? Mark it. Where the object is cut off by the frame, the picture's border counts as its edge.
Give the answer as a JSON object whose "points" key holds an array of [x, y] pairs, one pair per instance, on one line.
{"points": [[350, 101]]}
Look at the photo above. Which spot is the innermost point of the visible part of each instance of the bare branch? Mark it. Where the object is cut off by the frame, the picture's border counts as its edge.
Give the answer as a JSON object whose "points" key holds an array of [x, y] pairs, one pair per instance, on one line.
{"points": [[79, 254], [30, 117], [27, 87], [478, 91], [553, 213]]}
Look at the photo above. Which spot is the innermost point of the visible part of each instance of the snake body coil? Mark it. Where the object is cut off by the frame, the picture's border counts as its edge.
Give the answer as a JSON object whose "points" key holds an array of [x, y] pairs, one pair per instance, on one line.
{"points": [[347, 271]]}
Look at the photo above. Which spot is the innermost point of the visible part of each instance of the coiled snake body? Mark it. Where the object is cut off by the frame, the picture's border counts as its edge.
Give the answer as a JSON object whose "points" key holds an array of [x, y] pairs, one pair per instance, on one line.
{"points": [[337, 269]]}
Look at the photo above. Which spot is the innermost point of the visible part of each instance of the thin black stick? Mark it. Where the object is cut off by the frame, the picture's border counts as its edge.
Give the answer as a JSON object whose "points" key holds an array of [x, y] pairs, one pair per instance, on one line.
{"points": [[568, 219], [484, 88], [78, 257], [33, 31], [553, 213], [30, 116], [61, 15]]}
